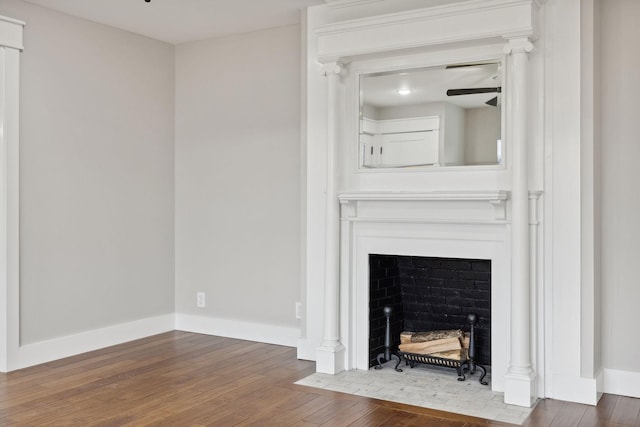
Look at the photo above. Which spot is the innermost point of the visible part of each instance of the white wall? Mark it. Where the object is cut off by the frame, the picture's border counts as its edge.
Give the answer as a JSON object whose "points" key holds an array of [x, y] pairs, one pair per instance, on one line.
{"points": [[482, 130], [96, 176], [238, 184], [620, 176], [455, 137]]}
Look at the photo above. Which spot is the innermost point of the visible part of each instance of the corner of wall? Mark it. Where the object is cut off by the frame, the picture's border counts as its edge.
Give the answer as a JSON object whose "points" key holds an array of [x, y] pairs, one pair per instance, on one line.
{"points": [[237, 329], [71, 345]]}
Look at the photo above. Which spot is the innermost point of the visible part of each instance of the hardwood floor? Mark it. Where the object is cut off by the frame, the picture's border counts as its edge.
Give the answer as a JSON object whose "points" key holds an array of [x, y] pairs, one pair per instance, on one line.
{"points": [[185, 379]]}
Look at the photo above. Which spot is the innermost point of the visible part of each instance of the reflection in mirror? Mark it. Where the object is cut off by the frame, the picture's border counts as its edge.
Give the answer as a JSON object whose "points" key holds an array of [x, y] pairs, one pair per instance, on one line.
{"points": [[448, 115]]}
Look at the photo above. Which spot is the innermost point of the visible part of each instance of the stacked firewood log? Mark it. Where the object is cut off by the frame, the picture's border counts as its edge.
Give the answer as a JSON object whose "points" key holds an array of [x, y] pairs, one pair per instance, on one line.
{"points": [[448, 344]]}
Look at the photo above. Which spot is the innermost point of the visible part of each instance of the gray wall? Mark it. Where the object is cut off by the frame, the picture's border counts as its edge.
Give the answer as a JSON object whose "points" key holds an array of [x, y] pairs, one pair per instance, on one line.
{"points": [[238, 176], [96, 178], [620, 177], [482, 130]]}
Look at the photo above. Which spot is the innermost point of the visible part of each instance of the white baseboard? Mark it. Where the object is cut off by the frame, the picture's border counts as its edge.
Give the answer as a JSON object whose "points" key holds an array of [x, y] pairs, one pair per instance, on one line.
{"points": [[259, 332], [576, 389], [71, 345], [623, 383], [307, 350]]}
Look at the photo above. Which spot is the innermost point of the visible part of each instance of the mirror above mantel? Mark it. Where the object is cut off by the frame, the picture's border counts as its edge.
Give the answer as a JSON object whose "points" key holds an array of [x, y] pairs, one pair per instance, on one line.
{"points": [[439, 116]]}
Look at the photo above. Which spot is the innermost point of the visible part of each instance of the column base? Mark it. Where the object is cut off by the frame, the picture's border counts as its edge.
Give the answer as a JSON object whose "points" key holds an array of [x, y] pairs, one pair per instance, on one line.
{"points": [[330, 359], [520, 389]]}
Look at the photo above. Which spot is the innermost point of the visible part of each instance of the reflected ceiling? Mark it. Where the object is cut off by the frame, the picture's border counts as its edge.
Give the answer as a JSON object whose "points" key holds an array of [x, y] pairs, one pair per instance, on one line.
{"points": [[431, 85]]}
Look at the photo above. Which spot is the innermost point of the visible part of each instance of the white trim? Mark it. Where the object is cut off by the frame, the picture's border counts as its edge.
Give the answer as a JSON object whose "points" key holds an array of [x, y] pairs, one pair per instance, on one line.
{"points": [[238, 329], [71, 345], [4, 299], [11, 33], [306, 349], [460, 22], [489, 195], [623, 383], [576, 389], [348, 3]]}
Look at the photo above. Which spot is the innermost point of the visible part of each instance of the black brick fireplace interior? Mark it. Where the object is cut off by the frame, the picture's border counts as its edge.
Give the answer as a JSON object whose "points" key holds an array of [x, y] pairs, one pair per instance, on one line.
{"points": [[428, 294]]}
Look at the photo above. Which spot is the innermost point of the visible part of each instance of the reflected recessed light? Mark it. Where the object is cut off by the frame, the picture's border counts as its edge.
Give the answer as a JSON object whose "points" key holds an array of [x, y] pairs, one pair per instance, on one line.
{"points": [[403, 91]]}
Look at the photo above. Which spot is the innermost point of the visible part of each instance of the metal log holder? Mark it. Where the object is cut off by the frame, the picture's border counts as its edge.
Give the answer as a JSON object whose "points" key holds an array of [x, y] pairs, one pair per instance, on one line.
{"points": [[465, 364], [387, 356]]}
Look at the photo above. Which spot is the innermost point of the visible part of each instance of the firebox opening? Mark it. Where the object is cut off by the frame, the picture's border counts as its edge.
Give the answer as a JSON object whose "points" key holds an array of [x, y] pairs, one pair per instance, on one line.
{"points": [[427, 294]]}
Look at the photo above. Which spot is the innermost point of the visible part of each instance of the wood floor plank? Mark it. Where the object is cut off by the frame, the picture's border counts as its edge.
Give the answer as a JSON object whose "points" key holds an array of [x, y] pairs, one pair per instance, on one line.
{"points": [[544, 413], [325, 414], [626, 411], [374, 418], [404, 419], [349, 415], [596, 416], [569, 415], [185, 379]]}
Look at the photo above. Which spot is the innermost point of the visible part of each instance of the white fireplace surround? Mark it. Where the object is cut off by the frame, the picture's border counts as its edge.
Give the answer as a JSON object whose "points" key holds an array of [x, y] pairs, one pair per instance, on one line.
{"points": [[447, 225], [472, 224], [485, 213]]}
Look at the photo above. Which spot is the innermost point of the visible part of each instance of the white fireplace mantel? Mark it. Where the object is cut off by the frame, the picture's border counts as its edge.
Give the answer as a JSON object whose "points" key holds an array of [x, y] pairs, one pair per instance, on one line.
{"points": [[463, 213]]}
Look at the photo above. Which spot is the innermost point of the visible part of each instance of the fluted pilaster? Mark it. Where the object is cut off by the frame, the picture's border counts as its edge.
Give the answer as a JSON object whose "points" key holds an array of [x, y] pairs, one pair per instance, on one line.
{"points": [[520, 378], [330, 355]]}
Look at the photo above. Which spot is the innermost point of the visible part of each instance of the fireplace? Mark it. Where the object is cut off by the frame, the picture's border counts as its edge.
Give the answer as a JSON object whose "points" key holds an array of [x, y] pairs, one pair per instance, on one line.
{"points": [[427, 294], [467, 229]]}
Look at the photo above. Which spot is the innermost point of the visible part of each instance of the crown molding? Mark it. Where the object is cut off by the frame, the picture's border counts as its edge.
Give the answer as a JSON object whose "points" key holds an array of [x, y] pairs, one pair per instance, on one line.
{"points": [[348, 3], [11, 32], [459, 22]]}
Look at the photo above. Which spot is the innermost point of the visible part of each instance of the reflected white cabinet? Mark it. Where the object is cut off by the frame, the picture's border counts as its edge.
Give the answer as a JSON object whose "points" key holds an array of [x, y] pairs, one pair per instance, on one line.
{"points": [[410, 149], [402, 142]]}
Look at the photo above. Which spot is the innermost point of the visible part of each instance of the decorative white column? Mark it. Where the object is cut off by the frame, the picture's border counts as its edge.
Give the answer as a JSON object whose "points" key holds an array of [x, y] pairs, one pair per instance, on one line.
{"points": [[331, 353], [10, 47], [520, 378]]}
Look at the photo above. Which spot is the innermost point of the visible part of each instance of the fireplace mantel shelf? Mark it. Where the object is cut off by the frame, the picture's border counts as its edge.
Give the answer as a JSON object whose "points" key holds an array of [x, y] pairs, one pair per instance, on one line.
{"points": [[489, 196], [496, 198]]}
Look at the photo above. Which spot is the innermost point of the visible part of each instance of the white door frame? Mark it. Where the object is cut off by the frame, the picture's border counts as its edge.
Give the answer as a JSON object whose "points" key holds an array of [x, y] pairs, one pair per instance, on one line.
{"points": [[10, 48]]}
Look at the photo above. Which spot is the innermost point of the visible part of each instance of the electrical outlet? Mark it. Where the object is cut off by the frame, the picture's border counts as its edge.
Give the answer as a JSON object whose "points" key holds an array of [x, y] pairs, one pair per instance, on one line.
{"points": [[201, 301], [298, 310]]}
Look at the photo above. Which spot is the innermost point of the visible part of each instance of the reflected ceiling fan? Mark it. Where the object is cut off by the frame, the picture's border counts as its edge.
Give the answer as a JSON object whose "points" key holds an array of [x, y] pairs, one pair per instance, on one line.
{"points": [[475, 90]]}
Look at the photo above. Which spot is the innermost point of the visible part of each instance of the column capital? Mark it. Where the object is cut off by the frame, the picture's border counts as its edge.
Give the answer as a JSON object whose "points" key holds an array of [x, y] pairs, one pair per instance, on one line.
{"points": [[348, 209], [519, 45], [332, 68]]}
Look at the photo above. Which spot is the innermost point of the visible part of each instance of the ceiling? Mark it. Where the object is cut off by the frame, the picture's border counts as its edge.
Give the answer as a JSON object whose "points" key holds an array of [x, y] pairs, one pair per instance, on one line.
{"points": [[179, 21], [429, 85]]}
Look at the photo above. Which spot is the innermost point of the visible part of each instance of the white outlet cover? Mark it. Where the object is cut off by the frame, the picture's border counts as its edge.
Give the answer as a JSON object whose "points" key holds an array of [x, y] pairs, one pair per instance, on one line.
{"points": [[201, 301]]}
